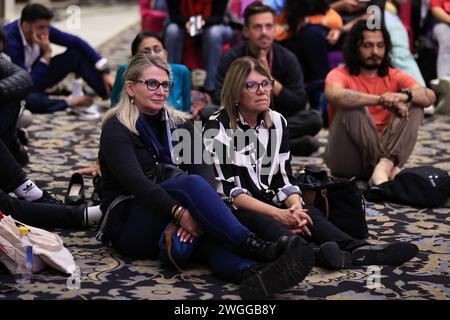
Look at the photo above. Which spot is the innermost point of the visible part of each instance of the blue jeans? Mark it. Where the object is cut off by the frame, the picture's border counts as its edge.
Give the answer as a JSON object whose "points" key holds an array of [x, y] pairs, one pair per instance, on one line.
{"points": [[223, 233], [213, 38]]}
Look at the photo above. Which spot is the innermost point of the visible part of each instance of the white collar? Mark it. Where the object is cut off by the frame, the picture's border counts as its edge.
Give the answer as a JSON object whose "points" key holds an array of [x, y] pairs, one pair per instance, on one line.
{"points": [[24, 41]]}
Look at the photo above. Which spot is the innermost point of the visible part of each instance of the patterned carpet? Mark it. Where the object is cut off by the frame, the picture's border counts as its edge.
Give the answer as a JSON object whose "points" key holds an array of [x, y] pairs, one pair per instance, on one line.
{"points": [[61, 143]]}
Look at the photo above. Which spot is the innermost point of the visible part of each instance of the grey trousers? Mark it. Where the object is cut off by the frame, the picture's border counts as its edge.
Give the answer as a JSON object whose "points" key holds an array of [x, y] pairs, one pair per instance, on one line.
{"points": [[354, 146], [441, 33]]}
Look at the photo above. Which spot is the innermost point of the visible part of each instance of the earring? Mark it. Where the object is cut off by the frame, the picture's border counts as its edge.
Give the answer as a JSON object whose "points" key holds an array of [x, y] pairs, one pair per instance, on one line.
{"points": [[236, 103], [132, 100]]}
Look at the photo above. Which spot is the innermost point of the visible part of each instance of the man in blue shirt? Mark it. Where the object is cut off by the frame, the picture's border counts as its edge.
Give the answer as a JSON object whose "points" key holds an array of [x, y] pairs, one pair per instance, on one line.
{"points": [[28, 45]]}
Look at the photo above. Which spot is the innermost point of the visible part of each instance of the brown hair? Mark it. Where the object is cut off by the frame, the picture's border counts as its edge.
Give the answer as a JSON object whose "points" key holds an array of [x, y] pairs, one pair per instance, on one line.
{"points": [[233, 84], [256, 7]]}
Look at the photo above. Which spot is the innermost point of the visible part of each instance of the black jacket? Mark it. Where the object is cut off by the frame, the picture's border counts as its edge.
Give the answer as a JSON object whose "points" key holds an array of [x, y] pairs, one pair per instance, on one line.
{"points": [[125, 157], [285, 68], [15, 83]]}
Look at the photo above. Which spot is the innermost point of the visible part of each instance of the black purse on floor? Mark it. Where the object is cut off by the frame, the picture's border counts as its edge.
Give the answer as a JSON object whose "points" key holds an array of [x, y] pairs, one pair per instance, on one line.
{"points": [[340, 200]]}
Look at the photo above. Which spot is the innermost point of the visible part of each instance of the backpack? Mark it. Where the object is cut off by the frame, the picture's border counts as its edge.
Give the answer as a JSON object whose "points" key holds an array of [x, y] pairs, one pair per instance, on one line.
{"points": [[424, 187], [340, 200]]}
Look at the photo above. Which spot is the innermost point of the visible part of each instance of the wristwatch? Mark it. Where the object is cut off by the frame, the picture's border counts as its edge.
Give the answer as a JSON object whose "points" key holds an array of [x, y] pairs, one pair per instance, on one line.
{"points": [[408, 92]]}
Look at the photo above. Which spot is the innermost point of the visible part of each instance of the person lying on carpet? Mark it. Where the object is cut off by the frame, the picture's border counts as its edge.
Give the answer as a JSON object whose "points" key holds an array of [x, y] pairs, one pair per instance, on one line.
{"points": [[35, 206], [149, 42], [135, 139], [256, 177]]}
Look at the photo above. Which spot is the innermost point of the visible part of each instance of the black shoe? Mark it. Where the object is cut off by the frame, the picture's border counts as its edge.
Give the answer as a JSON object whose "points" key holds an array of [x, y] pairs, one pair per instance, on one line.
{"points": [[304, 146], [261, 250], [48, 197], [95, 196], [329, 255], [292, 267], [393, 254], [75, 190]]}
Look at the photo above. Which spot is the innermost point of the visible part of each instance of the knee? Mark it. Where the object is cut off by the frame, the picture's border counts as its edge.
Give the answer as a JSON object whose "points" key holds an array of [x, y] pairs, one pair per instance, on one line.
{"points": [[213, 35], [172, 31], [73, 54], [316, 121], [191, 180]]}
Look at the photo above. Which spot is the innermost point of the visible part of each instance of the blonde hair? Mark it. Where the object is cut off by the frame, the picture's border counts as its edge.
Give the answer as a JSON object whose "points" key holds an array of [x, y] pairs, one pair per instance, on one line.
{"points": [[233, 84], [127, 113]]}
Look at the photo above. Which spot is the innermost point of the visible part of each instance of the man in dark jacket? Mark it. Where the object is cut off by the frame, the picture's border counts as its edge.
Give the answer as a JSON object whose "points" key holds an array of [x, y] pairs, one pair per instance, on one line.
{"points": [[289, 93]]}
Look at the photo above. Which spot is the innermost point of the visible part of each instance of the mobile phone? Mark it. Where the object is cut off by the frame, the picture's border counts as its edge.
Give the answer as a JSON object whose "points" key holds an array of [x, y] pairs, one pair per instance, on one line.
{"points": [[195, 25]]}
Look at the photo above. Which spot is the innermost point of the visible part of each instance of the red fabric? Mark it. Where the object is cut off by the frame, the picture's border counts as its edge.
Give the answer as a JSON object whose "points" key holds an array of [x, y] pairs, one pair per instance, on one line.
{"points": [[151, 20], [444, 4], [191, 8], [405, 16], [393, 82]]}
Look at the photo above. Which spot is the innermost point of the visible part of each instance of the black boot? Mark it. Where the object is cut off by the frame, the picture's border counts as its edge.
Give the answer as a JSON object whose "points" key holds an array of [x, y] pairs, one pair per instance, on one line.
{"points": [[260, 250], [262, 280], [330, 256], [393, 254]]}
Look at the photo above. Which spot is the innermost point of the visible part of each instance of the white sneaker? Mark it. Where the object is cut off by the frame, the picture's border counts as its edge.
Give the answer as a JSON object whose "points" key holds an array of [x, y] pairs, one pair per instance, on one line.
{"points": [[429, 111], [25, 117]]}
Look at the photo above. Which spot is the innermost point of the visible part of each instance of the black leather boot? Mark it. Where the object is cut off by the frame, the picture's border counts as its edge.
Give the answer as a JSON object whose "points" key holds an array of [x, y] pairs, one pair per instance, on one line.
{"points": [[260, 281], [260, 250]]}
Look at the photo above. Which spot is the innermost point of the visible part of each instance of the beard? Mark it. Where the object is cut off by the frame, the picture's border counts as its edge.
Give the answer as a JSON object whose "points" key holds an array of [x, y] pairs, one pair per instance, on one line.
{"points": [[371, 66]]}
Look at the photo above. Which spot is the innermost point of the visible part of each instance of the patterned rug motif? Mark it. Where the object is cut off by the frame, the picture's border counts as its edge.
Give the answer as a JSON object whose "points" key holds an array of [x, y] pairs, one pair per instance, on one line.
{"points": [[61, 143]]}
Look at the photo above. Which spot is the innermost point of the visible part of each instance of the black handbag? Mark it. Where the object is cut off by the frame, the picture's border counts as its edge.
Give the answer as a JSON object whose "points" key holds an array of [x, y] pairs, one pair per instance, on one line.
{"points": [[340, 200]]}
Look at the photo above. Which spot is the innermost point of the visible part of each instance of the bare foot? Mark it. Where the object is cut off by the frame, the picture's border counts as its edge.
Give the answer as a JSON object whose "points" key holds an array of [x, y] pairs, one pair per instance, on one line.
{"points": [[83, 101], [381, 172], [395, 170]]}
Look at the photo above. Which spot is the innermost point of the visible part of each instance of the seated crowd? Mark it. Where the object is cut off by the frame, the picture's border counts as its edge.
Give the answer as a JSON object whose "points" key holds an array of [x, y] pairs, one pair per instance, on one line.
{"points": [[239, 204]]}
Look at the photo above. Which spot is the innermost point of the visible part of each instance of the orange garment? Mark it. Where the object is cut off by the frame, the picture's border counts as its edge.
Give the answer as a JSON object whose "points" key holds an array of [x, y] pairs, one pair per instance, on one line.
{"points": [[393, 82], [330, 20], [444, 4]]}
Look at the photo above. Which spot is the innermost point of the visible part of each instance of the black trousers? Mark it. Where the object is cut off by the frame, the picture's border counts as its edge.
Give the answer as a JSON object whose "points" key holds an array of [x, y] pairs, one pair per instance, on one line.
{"points": [[35, 214], [322, 230], [9, 114], [304, 122]]}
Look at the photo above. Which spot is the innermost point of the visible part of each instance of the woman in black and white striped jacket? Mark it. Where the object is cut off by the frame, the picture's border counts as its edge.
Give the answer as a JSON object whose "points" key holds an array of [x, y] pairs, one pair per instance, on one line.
{"points": [[249, 145]]}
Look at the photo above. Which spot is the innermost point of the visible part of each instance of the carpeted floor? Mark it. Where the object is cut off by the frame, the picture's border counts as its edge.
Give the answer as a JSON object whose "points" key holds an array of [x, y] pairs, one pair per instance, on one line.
{"points": [[61, 143]]}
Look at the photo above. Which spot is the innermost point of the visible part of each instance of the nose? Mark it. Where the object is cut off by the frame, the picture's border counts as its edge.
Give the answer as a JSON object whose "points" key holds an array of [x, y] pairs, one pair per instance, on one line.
{"points": [[260, 90], [374, 50], [160, 90]]}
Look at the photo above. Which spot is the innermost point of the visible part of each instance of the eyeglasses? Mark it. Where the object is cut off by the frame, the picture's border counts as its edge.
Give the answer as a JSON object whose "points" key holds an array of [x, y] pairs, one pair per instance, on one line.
{"points": [[154, 50], [153, 84], [253, 86]]}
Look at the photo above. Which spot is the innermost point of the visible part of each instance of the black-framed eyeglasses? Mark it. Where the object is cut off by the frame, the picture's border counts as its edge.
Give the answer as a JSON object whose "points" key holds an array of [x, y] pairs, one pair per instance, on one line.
{"points": [[253, 86], [155, 50], [153, 84]]}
